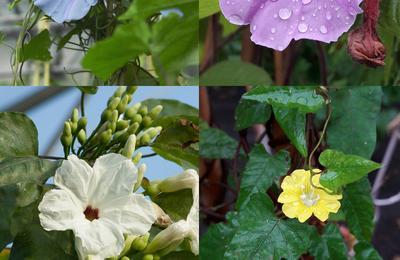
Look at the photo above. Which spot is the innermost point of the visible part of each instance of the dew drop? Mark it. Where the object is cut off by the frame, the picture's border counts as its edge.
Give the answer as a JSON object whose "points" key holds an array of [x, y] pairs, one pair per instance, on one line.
{"points": [[323, 29], [302, 27], [285, 13]]}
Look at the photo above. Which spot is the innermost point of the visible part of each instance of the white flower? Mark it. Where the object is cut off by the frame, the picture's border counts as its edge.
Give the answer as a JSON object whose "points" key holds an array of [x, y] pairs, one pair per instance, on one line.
{"points": [[97, 204], [173, 235]]}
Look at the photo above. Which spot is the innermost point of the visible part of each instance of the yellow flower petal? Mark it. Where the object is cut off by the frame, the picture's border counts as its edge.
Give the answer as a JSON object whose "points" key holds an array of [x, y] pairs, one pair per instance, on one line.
{"points": [[288, 196], [321, 214], [290, 210], [305, 214]]}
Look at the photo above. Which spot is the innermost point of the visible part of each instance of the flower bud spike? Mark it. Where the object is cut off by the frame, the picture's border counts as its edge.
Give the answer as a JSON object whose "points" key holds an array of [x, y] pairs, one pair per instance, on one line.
{"points": [[75, 115], [129, 147], [140, 243], [74, 127], [112, 126], [105, 137], [127, 244], [137, 119], [155, 111], [114, 116]]}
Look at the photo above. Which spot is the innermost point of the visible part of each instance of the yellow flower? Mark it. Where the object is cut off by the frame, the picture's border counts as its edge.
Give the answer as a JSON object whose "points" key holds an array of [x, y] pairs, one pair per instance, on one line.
{"points": [[300, 199]]}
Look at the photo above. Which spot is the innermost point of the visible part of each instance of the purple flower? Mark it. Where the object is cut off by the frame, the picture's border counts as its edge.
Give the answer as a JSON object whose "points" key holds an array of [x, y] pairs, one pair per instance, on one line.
{"points": [[65, 10], [274, 23]]}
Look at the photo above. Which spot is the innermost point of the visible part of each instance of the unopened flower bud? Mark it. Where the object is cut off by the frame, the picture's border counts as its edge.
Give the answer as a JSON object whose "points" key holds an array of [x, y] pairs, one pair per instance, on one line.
{"points": [[75, 115], [82, 136], [122, 124], [147, 121], [133, 128], [154, 131], [155, 111], [131, 89], [105, 136], [120, 90], [137, 119], [125, 258], [130, 146], [153, 189], [148, 257], [113, 104], [106, 115], [74, 126], [114, 116], [186, 180], [140, 243], [67, 129], [143, 110], [131, 111], [137, 157], [122, 105], [142, 169], [66, 140], [145, 139], [82, 123], [128, 243], [112, 126], [162, 218], [170, 238]]}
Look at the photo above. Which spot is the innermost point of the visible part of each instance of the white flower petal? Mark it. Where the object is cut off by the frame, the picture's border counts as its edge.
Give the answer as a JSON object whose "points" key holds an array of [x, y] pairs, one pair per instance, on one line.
{"points": [[193, 220], [114, 176], [132, 212], [60, 210], [100, 239], [74, 175]]}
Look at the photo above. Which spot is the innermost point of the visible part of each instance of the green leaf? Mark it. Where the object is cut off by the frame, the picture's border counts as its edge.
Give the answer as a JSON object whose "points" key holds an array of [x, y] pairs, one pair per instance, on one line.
{"points": [[218, 236], [215, 144], [343, 169], [19, 135], [88, 90], [234, 73], [179, 142], [145, 8], [365, 251], [305, 99], [20, 184], [250, 112], [171, 107], [389, 18], [260, 235], [293, 123], [358, 208], [174, 46], [36, 243], [168, 202], [352, 128], [8, 196], [208, 7], [261, 170], [329, 245], [111, 54], [37, 48]]}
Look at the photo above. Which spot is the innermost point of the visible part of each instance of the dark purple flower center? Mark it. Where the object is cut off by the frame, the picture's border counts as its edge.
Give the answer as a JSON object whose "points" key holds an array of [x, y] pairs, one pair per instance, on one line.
{"points": [[91, 213]]}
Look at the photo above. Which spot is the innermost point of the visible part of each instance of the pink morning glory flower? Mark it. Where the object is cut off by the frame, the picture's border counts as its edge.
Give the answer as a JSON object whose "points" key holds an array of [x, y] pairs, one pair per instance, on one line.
{"points": [[274, 23], [65, 10]]}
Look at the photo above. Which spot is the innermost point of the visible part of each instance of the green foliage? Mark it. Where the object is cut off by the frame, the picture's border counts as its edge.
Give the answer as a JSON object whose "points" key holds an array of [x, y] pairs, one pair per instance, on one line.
{"points": [[178, 142], [365, 251], [168, 202], [260, 235], [305, 99], [262, 169], [172, 107], [343, 169], [250, 112], [18, 135], [234, 73], [37, 48], [293, 123], [329, 245], [208, 7], [216, 144]]}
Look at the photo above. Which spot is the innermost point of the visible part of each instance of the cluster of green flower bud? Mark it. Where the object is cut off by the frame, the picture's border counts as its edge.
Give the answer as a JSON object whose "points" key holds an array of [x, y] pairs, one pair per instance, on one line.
{"points": [[74, 128], [136, 244]]}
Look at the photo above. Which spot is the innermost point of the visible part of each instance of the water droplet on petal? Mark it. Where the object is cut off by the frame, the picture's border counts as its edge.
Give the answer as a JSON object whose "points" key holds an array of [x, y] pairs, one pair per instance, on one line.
{"points": [[302, 27], [323, 29], [285, 13]]}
